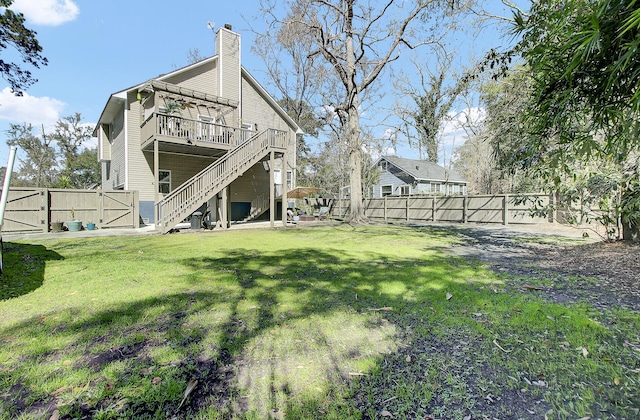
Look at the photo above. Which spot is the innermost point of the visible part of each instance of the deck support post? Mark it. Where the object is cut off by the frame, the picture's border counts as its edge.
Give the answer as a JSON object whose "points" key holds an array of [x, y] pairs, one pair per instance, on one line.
{"points": [[156, 180], [224, 208], [285, 203], [272, 191]]}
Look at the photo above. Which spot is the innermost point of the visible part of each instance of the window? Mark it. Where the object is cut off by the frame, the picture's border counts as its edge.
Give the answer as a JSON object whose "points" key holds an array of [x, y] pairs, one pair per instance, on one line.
{"points": [[164, 181], [405, 190], [435, 188], [289, 180], [386, 190], [383, 165], [277, 180]]}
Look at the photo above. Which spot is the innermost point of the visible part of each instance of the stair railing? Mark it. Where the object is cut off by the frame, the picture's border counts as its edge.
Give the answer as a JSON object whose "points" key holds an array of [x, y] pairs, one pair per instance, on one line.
{"points": [[185, 199]]}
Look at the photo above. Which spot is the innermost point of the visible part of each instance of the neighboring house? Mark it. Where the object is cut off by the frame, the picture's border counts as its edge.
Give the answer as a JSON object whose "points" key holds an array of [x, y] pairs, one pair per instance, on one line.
{"points": [[400, 176], [207, 133]]}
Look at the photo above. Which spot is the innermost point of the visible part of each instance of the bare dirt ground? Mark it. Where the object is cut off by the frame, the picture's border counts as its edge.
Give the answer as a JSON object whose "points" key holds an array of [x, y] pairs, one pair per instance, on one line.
{"points": [[559, 265], [571, 267]]}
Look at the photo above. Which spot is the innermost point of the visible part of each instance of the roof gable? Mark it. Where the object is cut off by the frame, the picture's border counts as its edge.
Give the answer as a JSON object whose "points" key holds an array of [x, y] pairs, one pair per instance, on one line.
{"points": [[422, 170], [118, 97]]}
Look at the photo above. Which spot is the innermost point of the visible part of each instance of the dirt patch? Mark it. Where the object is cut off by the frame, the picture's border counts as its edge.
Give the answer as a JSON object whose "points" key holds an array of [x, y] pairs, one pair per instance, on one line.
{"points": [[566, 267]]}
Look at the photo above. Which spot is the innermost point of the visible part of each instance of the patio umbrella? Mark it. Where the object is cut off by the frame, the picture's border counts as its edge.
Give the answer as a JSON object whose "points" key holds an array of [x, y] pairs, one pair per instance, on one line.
{"points": [[301, 192]]}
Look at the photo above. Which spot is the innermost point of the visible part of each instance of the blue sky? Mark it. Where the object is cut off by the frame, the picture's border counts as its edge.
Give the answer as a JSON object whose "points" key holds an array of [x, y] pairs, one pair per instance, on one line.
{"points": [[98, 47]]}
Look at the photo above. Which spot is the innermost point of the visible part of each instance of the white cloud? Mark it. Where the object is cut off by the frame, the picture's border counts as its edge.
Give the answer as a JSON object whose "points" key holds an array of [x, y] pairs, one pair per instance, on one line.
{"points": [[47, 12], [37, 111], [452, 129]]}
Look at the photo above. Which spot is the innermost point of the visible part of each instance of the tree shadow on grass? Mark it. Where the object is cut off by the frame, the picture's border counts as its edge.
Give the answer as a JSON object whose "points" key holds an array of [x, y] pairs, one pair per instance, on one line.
{"points": [[258, 331], [23, 268]]}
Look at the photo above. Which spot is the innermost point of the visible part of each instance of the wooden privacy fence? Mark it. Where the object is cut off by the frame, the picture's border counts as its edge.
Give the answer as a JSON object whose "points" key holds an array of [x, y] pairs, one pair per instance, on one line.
{"points": [[503, 209], [34, 209]]}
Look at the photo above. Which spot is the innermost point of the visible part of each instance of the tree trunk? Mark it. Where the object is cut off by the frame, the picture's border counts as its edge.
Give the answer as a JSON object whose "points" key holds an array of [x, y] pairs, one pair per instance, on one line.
{"points": [[630, 232], [356, 213]]}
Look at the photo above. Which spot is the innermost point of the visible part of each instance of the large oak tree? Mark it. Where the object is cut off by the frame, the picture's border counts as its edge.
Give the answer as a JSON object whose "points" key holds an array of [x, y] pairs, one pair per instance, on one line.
{"points": [[354, 41]]}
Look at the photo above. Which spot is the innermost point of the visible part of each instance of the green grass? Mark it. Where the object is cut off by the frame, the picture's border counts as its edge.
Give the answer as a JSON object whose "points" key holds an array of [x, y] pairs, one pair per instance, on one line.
{"points": [[332, 322]]}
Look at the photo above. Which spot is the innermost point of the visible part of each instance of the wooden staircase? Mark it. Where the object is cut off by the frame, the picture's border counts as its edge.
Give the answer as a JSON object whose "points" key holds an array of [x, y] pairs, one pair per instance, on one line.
{"points": [[188, 197], [258, 206]]}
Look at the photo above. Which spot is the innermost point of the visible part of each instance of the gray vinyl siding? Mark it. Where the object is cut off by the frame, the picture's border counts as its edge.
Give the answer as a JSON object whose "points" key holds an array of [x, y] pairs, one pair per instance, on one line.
{"points": [[138, 169], [252, 184], [387, 178], [203, 78], [257, 110], [229, 61], [182, 168], [117, 167], [105, 142]]}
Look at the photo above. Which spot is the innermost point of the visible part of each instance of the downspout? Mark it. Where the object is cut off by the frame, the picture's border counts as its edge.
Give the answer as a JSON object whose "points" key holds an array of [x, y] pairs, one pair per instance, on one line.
{"points": [[126, 145]]}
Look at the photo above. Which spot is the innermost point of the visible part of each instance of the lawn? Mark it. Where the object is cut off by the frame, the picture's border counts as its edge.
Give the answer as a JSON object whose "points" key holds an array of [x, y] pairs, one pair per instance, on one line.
{"points": [[323, 322]]}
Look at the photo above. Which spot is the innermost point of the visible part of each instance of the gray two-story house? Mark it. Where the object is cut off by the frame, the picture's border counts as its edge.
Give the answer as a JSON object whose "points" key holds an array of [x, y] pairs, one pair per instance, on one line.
{"points": [[204, 136]]}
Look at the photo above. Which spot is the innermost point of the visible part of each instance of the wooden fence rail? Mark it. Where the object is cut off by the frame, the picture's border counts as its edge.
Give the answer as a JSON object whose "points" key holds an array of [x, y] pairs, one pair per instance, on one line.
{"points": [[34, 209], [504, 209]]}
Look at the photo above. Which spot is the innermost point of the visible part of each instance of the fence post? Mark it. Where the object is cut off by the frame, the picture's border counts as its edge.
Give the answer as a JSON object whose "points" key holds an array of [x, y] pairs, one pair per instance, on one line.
{"points": [[552, 208], [465, 209], [136, 209], [99, 209], [384, 209], [45, 210], [505, 210], [434, 209], [407, 208]]}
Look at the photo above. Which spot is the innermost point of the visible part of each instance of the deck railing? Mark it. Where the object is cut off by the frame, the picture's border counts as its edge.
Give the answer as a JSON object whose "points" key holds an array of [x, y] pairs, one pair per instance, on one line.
{"points": [[185, 199], [192, 131]]}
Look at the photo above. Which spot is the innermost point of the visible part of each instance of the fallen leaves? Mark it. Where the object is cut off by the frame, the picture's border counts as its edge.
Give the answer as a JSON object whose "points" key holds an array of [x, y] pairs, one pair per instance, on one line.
{"points": [[190, 387], [448, 296], [357, 374], [540, 383], [500, 347], [585, 352], [384, 309]]}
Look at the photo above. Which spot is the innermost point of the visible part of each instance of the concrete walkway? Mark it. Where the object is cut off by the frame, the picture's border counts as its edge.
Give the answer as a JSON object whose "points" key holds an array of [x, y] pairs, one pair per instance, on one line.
{"points": [[142, 231]]}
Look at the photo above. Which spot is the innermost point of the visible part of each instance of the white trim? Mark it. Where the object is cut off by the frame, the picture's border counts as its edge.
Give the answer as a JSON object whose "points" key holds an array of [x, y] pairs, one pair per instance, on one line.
{"points": [[126, 146], [239, 75], [381, 191], [219, 66], [160, 181]]}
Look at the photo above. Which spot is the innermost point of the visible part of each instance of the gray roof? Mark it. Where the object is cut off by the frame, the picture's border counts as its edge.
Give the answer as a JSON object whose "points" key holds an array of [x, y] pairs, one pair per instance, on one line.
{"points": [[423, 170]]}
